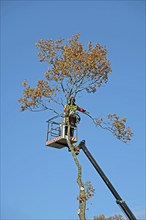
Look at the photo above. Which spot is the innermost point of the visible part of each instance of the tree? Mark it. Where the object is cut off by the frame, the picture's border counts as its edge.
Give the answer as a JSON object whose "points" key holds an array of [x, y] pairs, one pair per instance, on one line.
{"points": [[73, 70], [102, 217]]}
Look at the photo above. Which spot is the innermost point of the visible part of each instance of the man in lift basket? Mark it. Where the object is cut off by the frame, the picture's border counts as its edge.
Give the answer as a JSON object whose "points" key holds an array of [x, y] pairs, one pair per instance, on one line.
{"points": [[71, 115]]}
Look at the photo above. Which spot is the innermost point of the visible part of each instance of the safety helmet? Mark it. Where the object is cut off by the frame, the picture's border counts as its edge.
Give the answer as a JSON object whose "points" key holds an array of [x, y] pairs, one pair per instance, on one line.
{"points": [[72, 99]]}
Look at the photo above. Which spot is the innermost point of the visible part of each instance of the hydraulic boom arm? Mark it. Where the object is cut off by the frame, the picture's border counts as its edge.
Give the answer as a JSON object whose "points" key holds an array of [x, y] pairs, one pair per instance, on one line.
{"points": [[119, 200]]}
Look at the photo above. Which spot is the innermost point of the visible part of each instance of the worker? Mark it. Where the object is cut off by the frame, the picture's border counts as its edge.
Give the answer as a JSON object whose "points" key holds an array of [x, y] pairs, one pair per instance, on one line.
{"points": [[70, 113]]}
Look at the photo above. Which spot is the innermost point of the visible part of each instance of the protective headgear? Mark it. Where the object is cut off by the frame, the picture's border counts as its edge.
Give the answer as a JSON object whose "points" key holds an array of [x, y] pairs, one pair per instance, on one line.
{"points": [[72, 99]]}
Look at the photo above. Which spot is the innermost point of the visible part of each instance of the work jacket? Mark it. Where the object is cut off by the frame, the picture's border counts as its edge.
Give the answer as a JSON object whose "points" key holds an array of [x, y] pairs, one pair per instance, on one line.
{"points": [[73, 108]]}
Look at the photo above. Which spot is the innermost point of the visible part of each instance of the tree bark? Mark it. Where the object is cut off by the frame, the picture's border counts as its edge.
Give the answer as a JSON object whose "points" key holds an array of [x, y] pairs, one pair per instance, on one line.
{"points": [[81, 197]]}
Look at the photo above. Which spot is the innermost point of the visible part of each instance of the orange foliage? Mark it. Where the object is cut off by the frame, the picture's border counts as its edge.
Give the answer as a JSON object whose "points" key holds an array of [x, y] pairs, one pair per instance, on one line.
{"points": [[74, 67], [32, 97], [115, 125], [89, 192], [72, 70], [115, 217]]}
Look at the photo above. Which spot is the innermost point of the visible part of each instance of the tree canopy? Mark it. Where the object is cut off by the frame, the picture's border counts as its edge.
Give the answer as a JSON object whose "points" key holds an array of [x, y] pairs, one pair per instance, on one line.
{"points": [[71, 71]]}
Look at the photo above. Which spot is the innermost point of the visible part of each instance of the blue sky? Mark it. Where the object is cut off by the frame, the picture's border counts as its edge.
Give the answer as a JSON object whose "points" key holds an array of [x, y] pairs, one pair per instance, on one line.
{"points": [[39, 182]]}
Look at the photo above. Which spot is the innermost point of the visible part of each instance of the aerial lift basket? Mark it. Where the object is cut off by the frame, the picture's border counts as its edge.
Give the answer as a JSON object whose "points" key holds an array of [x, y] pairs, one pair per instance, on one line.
{"points": [[57, 133]]}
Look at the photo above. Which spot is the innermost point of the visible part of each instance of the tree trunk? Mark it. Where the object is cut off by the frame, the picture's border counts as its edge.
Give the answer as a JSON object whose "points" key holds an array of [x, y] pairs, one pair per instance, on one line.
{"points": [[81, 197]]}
